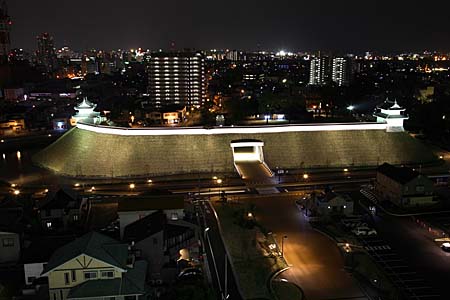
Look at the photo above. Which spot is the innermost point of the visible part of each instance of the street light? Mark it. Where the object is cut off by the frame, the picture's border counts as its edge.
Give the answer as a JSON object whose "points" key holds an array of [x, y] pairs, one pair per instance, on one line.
{"points": [[350, 107], [282, 244], [132, 186], [149, 181], [305, 176]]}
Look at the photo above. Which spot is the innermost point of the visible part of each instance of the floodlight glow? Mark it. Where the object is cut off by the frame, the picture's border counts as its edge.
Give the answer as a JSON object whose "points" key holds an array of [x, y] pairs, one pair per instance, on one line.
{"points": [[230, 130]]}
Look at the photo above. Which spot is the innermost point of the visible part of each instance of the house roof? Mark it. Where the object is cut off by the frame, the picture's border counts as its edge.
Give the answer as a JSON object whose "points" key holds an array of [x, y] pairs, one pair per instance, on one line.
{"points": [[132, 283], [145, 227], [41, 248], [173, 230], [58, 200], [162, 202], [93, 244], [399, 174]]}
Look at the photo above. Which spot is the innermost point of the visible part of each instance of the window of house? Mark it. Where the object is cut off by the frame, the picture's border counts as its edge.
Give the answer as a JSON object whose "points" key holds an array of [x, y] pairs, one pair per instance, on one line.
{"points": [[75, 217], [90, 275], [74, 275], [8, 242], [174, 216], [66, 278], [107, 274], [420, 188], [31, 279], [49, 224]]}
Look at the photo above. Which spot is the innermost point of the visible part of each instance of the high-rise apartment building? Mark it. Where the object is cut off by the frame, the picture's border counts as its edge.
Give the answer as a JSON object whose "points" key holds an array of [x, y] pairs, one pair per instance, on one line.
{"points": [[341, 72], [176, 78], [5, 29], [46, 53], [320, 71]]}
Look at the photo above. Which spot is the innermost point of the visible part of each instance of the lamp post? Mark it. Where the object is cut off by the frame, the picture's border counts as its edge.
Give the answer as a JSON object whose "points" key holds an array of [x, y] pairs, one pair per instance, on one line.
{"points": [[282, 244]]}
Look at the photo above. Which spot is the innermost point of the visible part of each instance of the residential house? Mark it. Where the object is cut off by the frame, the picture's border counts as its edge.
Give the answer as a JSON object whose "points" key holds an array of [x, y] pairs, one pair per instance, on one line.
{"points": [[9, 247], [37, 253], [328, 203], [95, 267], [132, 209], [162, 242], [403, 186], [11, 214], [59, 210]]}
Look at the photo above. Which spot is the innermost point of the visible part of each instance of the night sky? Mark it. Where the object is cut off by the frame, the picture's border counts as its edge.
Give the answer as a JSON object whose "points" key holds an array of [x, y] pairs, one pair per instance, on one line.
{"points": [[295, 25]]}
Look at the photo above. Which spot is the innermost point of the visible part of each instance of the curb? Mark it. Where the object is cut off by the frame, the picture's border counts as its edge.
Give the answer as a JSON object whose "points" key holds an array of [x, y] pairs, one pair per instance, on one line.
{"points": [[273, 276]]}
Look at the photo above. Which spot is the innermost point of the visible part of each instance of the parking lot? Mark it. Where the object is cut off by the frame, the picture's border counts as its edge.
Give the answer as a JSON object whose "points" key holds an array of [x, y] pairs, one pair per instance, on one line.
{"points": [[406, 279]]}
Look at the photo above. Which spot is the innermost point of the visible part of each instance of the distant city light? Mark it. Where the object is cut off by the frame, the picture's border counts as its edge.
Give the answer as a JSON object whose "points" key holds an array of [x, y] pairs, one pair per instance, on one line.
{"points": [[305, 176], [132, 185]]}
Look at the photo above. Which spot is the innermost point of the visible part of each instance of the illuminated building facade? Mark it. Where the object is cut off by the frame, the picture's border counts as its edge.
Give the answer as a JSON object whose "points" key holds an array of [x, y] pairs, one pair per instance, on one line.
{"points": [[86, 113], [176, 79], [341, 71], [392, 115], [320, 71], [5, 29]]}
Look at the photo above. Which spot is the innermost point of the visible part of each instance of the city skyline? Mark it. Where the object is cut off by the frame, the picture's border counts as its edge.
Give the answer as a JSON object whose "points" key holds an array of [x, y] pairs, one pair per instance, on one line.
{"points": [[254, 26]]}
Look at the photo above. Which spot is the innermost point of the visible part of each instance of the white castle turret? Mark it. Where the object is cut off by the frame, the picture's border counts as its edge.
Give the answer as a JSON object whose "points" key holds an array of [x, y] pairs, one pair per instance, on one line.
{"points": [[85, 112], [392, 115]]}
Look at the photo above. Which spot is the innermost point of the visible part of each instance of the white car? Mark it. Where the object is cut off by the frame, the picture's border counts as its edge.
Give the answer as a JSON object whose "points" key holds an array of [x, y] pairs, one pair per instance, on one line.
{"points": [[363, 230]]}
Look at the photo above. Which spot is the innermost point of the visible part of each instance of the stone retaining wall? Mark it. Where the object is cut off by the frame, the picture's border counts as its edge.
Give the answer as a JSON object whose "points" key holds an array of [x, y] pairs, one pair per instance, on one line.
{"points": [[86, 153]]}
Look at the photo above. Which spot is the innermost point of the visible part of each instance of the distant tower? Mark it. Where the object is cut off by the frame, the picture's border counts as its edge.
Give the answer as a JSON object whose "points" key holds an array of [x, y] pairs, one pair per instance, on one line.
{"points": [[320, 71], [341, 73], [392, 115], [5, 29], [46, 53], [176, 79]]}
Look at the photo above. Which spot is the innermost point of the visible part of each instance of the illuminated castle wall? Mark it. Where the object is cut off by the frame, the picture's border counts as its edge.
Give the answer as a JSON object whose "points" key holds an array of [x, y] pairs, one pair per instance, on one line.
{"points": [[90, 150]]}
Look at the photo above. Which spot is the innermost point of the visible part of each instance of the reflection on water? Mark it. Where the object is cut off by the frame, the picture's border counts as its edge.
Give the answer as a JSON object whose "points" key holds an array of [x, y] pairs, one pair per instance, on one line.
{"points": [[17, 167]]}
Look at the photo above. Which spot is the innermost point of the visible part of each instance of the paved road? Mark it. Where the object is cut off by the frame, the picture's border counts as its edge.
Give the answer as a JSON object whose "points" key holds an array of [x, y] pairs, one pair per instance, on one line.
{"points": [[418, 249], [317, 265]]}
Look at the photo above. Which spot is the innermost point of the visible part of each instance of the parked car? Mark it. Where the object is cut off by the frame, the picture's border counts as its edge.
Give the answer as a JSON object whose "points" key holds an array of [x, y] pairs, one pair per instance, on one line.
{"points": [[364, 230], [353, 223], [445, 247]]}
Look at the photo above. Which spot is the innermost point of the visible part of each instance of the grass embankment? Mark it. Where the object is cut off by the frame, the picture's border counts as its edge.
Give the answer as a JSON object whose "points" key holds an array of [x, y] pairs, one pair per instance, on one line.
{"points": [[249, 249]]}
